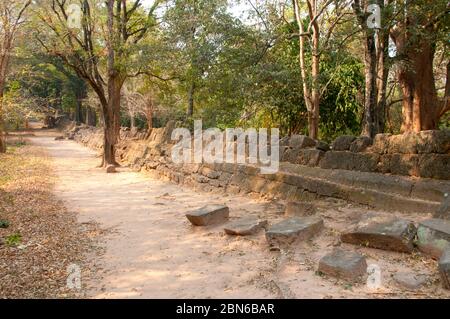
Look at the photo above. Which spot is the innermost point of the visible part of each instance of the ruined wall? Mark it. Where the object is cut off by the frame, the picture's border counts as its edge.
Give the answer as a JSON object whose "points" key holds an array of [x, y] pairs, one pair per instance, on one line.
{"points": [[425, 154], [152, 153]]}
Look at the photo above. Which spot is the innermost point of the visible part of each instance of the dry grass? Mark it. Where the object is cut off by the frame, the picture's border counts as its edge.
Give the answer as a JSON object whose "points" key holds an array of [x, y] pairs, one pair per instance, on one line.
{"points": [[41, 238]]}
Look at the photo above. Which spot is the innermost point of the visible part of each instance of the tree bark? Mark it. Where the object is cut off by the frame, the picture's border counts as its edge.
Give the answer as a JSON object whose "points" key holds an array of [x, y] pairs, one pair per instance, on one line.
{"points": [[79, 111], [376, 71], [190, 110], [415, 37], [370, 101], [420, 106], [383, 67], [311, 88], [2, 139]]}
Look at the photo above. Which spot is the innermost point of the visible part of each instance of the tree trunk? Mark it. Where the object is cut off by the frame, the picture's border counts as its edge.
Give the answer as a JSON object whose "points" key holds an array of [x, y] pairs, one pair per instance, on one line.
{"points": [[2, 138], [376, 71], [420, 107], [4, 61], [370, 100], [311, 89], [149, 116], [79, 111], [313, 122], [112, 120], [190, 110], [91, 117]]}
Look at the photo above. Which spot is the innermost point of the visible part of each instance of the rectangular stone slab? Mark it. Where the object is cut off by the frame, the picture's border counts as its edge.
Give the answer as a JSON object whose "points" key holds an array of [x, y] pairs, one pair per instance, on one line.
{"points": [[344, 264], [209, 215], [433, 236], [444, 269], [245, 226], [387, 233], [293, 229]]}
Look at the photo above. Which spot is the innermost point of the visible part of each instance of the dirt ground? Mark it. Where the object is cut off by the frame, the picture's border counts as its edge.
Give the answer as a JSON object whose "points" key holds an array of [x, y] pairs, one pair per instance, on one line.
{"points": [[150, 250], [39, 238]]}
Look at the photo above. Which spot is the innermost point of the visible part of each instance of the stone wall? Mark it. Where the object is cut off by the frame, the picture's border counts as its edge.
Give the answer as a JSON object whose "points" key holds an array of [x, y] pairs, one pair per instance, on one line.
{"points": [[347, 155], [425, 154]]}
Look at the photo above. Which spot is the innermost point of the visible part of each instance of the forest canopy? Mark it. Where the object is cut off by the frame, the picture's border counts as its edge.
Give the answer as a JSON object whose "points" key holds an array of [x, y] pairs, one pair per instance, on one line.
{"points": [[315, 67]]}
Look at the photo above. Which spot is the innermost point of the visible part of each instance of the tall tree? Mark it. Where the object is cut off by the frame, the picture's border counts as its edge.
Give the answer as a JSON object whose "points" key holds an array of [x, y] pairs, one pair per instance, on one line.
{"points": [[418, 27], [319, 13], [11, 18], [198, 31], [376, 46], [110, 37]]}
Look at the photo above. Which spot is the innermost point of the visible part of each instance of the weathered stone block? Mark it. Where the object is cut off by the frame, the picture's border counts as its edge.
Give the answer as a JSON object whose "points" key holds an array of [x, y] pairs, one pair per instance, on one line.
{"points": [[434, 166], [209, 215], [291, 155], [436, 141], [309, 157], [342, 143], [403, 144], [388, 233], [409, 280], [343, 264], [433, 236], [444, 269], [301, 141], [293, 229], [404, 164], [245, 226], [300, 209], [380, 144], [322, 146], [208, 172], [364, 162], [284, 141], [361, 144]]}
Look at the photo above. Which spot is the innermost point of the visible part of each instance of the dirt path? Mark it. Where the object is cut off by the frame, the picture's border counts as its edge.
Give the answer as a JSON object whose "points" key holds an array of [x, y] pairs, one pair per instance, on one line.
{"points": [[151, 251]]}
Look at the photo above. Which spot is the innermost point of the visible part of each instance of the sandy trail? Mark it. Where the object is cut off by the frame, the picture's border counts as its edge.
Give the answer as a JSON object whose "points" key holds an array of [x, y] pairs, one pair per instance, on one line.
{"points": [[152, 251]]}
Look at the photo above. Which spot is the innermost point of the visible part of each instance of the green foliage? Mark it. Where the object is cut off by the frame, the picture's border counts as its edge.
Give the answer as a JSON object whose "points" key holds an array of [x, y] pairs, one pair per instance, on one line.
{"points": [[341, 106], [13, 240], [4, 224]]}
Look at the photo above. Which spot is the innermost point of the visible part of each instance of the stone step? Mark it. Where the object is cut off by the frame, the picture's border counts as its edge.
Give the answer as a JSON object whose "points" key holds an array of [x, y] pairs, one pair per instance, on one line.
{"points": [[209, 215], [419, 188], [385, 192], [433, 236], [387, 233], [245, 226], [293, 229], [343, 264]]}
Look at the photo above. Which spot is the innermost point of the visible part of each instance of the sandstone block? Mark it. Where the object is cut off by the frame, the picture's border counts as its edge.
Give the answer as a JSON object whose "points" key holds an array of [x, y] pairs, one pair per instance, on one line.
{"points": [[388, 233], [343, 264], [293, 229], [209, 215], [245, 226], [433, 236]]}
